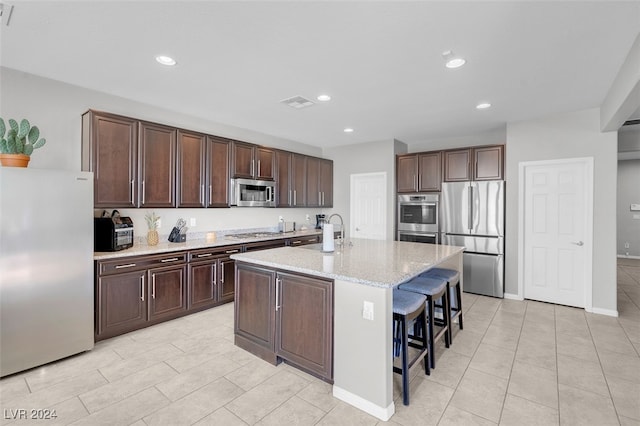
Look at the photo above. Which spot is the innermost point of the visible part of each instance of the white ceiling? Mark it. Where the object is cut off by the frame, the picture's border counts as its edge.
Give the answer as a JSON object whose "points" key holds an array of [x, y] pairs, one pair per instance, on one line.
{"points": [[380, 61]]}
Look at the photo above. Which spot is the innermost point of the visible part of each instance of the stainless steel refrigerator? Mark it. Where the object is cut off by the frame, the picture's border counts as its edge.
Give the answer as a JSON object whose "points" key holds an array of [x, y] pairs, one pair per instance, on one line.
{"points": [[46, 266], [472, 215]]}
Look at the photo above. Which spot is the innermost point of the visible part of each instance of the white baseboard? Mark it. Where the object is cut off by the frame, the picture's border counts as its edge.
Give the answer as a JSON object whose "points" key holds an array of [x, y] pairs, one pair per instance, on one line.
{"points": [[369, 407], [512, 296], [608, 312], [622, 256]]}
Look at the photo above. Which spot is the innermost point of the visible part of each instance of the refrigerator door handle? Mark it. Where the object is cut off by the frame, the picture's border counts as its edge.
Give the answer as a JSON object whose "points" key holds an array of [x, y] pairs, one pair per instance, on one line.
{"points": [[470, 208]]}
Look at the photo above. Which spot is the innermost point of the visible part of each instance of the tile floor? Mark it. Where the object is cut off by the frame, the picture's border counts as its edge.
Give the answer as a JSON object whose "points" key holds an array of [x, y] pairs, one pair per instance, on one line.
{"points": [[515, 363]]}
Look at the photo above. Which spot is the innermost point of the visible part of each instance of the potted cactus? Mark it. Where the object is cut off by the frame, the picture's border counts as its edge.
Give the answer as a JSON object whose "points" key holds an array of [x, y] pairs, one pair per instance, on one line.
{"points": [[19, 142]]}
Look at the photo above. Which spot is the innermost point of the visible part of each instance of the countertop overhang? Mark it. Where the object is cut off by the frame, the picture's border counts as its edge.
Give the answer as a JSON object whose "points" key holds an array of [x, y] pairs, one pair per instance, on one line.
{"points": [[371, 262]]}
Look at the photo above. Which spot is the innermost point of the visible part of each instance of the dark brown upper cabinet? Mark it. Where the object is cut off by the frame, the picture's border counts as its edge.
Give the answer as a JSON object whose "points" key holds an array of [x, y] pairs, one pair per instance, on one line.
{"points": [[298, 180], [252, 162], [477, 163], [313, 182], [489, 162], [457, 165], [419, 172], [192, 148], [110, 151], [326, 183], [218, 155], [284, 196], [157, 171]]}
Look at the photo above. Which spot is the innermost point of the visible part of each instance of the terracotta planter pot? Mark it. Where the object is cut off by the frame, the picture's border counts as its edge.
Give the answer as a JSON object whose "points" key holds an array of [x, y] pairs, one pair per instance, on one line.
{"points": [[14, 160]]}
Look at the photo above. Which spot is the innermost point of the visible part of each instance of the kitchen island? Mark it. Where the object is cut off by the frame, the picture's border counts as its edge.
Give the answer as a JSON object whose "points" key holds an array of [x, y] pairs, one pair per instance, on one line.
{"points": [[357, 281]]}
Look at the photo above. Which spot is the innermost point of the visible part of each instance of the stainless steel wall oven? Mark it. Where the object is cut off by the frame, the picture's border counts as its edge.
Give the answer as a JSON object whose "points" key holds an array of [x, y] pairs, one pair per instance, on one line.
{"points": [[418, 218]]}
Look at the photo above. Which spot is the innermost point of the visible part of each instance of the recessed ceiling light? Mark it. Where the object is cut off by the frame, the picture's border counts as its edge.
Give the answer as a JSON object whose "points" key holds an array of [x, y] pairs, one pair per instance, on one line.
{"points": [[483, 105], [165, 60], [452, 61], [323, 98], [348, 130]]}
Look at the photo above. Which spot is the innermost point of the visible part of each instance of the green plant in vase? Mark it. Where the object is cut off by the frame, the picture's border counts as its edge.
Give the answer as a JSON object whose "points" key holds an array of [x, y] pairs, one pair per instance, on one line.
{"points": [[152, 223]]}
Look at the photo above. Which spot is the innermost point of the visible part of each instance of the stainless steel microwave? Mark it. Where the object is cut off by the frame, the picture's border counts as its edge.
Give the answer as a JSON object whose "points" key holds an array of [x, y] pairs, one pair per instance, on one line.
{"points": [[253, 193]]}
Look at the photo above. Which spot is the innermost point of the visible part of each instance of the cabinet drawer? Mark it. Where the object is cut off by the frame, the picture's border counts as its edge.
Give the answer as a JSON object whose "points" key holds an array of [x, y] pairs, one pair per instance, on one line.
{"points": [[304, 241], [136, 263], [213, 252], [264, 245]]}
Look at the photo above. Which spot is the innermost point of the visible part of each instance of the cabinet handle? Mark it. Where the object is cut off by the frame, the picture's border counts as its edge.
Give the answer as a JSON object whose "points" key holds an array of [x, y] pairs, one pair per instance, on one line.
{"points": [[144, 195], [142, 288], [210, 194], [173, 259], [295, 199], [278, 282], [133, 192], [231, 251], [153, 287], [419, 182], [258, 168], [323, 198], [128, 265], [296, 242], [289, 200], [221, 273], [252, 167], [204, 255], [202, 193]]}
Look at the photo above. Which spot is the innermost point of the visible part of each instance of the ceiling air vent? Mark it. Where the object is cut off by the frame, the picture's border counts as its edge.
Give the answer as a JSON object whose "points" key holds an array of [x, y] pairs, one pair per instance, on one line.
{"points": [[297, 102]]}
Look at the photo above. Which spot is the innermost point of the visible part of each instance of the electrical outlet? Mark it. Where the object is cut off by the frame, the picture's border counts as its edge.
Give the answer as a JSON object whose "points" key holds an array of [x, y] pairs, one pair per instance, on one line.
{"points": [[308, 218], [367, 310], [192, 222], [159, 223], [626, 245], [280, 219]]}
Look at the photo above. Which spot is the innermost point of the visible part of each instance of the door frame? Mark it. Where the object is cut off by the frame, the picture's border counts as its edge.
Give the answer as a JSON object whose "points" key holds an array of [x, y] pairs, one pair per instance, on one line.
{"points": [[587, 168], [353, 177]]}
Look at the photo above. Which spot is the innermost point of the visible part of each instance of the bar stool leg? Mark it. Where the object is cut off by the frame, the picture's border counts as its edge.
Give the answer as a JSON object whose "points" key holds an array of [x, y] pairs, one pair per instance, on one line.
{"points": [[432, 358], [405, 362]]}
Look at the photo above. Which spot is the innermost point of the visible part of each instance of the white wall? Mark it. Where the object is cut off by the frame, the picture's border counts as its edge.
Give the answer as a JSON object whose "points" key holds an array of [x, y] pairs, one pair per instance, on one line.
{"points": [[370, 157], [494, 137], [56, 108], [628, 193], [570, 135]]}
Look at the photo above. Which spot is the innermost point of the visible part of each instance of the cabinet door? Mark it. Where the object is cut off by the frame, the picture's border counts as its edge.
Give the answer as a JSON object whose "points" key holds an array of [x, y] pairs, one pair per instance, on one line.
{"points": [[429, 176], [168, 296], [191, 169], [407, 173], [313, 182], [157, 165], [255, 305], [265, 164], [218, 153], [457, 165], [122, 305], [284, 196], [243, 160], [227, 281], [304, 333], [299, 180], [202, 284], [326, 183], [489, 163], [110, 151]]}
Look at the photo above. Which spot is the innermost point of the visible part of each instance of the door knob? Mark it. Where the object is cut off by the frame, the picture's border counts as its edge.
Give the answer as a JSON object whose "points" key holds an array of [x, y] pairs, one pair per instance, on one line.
{"points": [[578, 243]]}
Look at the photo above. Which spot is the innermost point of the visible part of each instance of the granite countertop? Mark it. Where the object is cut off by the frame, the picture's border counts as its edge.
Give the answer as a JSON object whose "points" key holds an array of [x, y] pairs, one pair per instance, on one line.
{"points": [[197, 243], [371, 262]]}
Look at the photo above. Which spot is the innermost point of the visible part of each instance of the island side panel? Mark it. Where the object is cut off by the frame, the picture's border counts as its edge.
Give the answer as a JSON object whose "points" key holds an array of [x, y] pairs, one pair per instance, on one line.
{"points": [[363, 363]]}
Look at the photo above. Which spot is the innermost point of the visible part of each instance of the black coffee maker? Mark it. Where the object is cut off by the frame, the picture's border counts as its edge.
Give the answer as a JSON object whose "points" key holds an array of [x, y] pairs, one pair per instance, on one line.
{"points": [[321, 219]]}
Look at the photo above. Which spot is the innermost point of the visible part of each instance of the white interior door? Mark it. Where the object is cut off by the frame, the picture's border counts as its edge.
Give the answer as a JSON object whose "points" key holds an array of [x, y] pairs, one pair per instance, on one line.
{"points": [[369, 206], [556, 230]]}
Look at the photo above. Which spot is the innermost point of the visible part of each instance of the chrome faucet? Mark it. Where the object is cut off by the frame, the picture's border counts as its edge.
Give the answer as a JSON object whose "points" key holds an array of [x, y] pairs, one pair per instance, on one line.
{"points": [[341, 242]]}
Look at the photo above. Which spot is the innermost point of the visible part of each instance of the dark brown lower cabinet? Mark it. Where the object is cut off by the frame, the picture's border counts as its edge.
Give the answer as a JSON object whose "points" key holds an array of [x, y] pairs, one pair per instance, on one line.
{"points": [[285, 316], [168, 297], [202, 284], [121, 303]]}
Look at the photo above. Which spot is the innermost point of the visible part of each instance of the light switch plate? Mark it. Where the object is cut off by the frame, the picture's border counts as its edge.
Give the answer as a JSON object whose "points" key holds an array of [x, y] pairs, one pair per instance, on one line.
{"points": [[192, 221], [635, 207]]}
